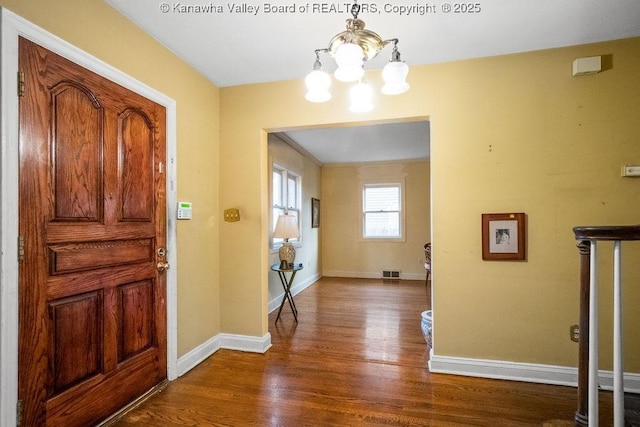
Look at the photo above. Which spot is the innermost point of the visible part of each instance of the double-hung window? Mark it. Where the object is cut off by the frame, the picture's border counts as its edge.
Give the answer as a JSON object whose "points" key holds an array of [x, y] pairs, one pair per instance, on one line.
{"points": [[382, 213], [285, 191]]}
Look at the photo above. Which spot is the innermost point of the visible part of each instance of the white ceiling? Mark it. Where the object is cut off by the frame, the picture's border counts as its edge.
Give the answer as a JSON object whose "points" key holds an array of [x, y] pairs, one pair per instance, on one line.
{"points": [[371, 143], [241, 46]]}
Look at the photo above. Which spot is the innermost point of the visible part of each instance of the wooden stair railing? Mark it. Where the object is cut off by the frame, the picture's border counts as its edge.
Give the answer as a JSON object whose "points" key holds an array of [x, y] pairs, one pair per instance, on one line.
{"points": [[588, 238]]}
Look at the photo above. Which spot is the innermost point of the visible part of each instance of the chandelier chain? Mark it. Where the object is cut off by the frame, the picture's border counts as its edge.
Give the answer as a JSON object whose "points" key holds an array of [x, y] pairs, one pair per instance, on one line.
{"points": [[355, 9]]}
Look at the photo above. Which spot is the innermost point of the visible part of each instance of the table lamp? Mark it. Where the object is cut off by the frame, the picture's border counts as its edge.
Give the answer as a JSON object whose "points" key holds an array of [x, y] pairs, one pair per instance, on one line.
{"points": [[286, 228]]}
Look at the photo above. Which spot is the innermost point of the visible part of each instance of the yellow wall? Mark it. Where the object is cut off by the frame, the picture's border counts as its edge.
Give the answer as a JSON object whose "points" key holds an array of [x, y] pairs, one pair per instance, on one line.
{"points": [[344, 252], [96, 28], [511, 133], [519, 133]]}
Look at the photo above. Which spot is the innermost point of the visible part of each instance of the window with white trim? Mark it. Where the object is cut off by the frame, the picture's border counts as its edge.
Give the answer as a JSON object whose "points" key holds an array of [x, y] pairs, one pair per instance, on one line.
{"points": [[285, 193], [382, 213]]}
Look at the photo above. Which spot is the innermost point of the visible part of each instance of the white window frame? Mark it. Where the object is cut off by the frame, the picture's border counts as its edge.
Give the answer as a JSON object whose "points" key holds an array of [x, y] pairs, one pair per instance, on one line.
{"points": [[286, 174], [401, 211]]}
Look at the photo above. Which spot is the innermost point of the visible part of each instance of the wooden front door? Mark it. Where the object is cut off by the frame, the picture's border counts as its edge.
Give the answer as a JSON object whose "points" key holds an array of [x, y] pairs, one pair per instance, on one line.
{"points": [[92, 300]]}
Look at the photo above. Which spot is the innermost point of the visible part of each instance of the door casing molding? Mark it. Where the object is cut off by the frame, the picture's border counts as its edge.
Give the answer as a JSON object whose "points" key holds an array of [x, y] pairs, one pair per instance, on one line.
{"points": [[13, 26]]}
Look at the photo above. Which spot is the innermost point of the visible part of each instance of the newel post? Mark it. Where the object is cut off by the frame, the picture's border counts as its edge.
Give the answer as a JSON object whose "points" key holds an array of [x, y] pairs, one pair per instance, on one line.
{"points": [[581, 416]]}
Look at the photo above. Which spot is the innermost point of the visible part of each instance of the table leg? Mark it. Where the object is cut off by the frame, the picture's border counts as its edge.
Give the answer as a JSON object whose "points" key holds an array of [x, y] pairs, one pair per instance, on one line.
{"points": [[292, 304], [286, 284]]}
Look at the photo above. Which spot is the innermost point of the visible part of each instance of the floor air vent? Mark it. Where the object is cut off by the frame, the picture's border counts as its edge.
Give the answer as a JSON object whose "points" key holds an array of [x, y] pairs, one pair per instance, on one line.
{"points": [[390, 274]]}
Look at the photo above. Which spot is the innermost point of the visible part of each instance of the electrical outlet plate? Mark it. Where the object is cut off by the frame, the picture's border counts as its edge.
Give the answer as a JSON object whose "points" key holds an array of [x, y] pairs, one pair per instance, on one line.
{"points": [[574, 333]]}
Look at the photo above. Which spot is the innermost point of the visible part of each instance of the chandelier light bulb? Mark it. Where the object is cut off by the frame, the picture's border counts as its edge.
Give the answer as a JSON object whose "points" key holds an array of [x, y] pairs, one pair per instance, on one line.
{"points": [[361, 98], [317, 83], [349, 57], [394, 75]]}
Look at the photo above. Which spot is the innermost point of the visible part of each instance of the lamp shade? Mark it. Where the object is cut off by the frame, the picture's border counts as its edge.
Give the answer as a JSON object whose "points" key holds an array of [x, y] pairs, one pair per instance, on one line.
{"points": [[286, 227]]}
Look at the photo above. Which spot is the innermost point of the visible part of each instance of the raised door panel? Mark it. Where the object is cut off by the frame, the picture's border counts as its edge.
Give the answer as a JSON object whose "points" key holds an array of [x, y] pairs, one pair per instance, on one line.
{"points": [[76, 340], [75, 257], [136, 318], [76, 132], [136, 147]]}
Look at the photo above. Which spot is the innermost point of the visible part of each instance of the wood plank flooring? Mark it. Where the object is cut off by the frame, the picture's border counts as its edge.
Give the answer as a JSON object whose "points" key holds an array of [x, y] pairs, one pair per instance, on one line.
{"points": [[356, 358]]}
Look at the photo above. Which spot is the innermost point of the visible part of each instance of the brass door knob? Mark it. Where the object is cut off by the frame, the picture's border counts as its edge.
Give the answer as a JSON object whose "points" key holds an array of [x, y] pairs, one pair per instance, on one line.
{"points": [[162, 266]]}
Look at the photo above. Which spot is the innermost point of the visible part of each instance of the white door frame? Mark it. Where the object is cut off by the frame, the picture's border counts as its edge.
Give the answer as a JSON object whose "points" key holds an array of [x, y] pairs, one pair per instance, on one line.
{"points": [[11, 27]]}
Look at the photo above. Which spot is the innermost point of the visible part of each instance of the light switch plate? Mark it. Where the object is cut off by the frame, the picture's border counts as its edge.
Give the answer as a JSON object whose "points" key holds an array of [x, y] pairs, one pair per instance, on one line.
{"points": [[630, 170], [232, 215]]}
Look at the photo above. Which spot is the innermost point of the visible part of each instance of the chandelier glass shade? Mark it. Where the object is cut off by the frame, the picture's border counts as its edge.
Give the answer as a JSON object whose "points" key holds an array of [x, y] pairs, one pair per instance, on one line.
{"points": [[394, 75], [349, 57], [318, 83], [361, 96], [351, 50]]}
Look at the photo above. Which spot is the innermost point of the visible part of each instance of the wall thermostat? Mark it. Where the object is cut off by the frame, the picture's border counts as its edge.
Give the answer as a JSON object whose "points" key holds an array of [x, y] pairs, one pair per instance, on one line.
{"points": [[184, 210]]}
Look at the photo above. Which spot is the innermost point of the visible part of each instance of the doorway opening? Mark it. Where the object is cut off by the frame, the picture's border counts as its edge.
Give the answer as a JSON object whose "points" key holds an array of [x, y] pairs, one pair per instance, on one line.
{"points": [[334, 162]]}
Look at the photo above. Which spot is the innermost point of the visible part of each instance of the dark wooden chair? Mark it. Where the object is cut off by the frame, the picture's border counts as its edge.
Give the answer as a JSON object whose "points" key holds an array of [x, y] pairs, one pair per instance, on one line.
{"points": [[427, 260]]}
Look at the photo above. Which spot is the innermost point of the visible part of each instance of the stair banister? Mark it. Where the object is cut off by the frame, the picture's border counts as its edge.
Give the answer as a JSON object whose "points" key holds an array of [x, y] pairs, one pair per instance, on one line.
{"points": [[588, 238]]}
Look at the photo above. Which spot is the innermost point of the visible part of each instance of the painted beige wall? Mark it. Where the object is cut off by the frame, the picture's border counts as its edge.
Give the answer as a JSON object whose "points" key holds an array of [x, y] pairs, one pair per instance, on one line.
{"points": [[308, 250], [511, 133], [519, 133], [344, 252], [96, 28]]}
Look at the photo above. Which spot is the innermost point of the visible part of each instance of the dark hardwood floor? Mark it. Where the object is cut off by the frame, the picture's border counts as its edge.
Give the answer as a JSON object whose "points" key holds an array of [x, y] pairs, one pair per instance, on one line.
{"points": [[356, 357]]}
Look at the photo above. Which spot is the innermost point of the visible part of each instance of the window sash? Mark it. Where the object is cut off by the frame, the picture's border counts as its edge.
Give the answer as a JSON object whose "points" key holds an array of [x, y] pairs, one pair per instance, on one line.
{"points": [[292, 192], [382, 198], [277, 188], [382, 211], [285, 190]]}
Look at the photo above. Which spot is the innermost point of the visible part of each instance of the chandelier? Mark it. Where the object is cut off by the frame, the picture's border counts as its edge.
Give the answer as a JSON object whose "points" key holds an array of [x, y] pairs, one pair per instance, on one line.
{"points": [[351, 49]]}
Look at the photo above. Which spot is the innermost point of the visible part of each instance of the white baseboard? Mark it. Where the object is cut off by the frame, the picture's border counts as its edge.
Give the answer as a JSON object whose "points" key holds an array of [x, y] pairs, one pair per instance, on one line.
{"points": [[350, 274], [373, 275], [226, 341], [413, 276], [197, 355], [529, 372], [245, 343], [295, 289]]}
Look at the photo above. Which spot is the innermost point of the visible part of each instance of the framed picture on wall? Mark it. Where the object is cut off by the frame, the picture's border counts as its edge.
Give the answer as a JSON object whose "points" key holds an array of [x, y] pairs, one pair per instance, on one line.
{"points": [[503, 237], [315, 213]]}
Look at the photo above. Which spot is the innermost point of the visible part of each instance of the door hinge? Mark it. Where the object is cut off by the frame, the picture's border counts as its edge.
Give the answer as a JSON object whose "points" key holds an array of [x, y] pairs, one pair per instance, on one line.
{"points": [[21, 83], [19, 413], [20, 248]]}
